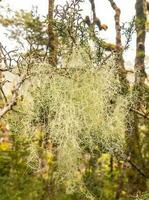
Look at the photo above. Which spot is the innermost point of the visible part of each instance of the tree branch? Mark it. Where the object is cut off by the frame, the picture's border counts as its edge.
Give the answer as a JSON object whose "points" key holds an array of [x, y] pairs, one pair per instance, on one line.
{"points": [[140, 113], [9, 105], [96, 20], [117, 23], [138, 169]]}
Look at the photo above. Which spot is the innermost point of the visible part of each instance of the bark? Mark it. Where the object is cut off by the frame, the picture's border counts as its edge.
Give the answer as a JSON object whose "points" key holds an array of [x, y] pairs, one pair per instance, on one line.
{"points": [[52, 43], [136, 181], [141, 19]]}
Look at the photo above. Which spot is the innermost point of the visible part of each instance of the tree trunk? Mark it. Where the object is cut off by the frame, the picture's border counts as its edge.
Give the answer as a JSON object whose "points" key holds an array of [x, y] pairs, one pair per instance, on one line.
{"points": [[137, 182], [52, 43]]}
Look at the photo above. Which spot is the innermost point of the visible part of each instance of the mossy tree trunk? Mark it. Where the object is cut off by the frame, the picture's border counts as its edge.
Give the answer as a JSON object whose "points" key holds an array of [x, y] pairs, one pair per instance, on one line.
{"points": [[137, 182]]}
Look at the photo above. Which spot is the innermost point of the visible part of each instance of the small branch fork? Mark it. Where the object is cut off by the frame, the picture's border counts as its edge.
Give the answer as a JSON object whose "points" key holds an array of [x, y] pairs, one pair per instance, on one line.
{"points": [[96, 20]]}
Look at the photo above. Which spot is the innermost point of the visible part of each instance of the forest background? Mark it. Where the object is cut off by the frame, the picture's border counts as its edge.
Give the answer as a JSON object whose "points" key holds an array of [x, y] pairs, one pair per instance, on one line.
{"points": [[74, 102]]}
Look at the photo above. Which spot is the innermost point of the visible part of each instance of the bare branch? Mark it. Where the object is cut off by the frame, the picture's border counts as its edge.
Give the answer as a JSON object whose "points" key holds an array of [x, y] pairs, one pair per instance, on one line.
{"points": [[10, 62], [120, 49], [140, 113], [138, 169], [96, 20], [117, 23], [3, 93], [9, 105], [7, 59], [93, 9]]}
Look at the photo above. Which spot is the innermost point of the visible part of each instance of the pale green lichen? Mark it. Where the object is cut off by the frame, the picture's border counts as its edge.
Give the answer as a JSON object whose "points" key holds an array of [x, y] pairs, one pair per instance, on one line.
{"points": [[81, 109]]}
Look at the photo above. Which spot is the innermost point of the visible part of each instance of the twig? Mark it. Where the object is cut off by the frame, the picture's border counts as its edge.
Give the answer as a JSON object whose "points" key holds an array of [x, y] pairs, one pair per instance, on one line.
{"points": [[13, 100], [140, 113], [3, 93], [138, 169]]}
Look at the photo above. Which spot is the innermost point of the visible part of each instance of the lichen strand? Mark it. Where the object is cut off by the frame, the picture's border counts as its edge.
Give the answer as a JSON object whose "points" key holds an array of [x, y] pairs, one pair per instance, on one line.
{"points": [[81, 110]]}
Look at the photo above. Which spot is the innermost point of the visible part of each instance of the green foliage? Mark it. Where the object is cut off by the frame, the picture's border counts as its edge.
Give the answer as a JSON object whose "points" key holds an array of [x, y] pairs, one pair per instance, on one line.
{"points": [[17, 180], [69, 24], [27, 28]]}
